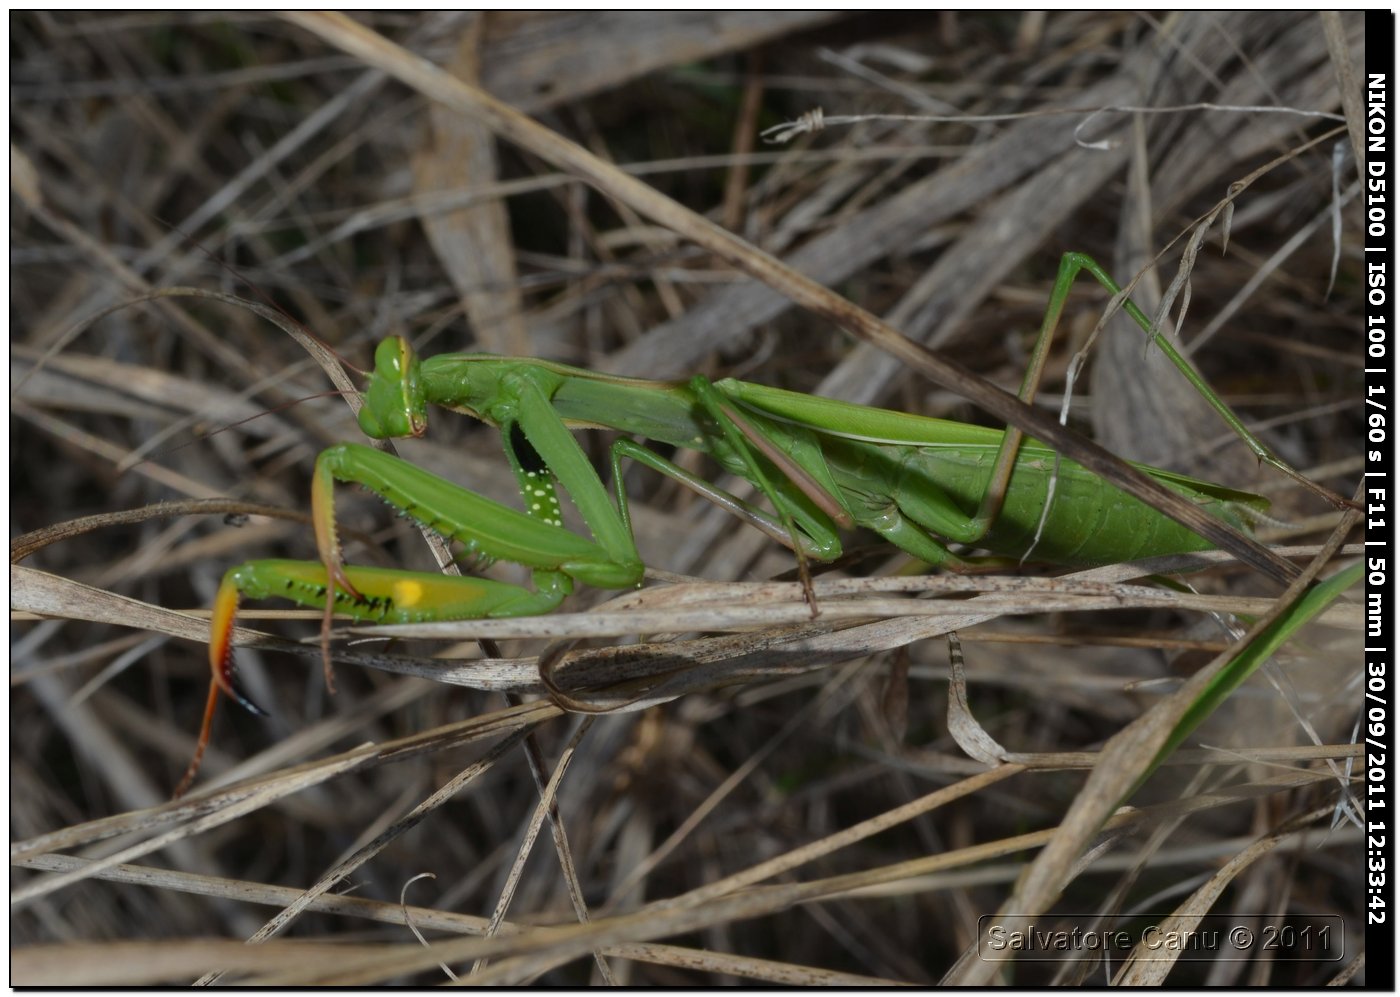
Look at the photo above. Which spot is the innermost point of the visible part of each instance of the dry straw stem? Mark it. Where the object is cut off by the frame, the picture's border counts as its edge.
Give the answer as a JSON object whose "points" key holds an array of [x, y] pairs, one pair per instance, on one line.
{"points": [[793, 812], [525, 952], [697, 664], [1145, 968], [35, 856]]}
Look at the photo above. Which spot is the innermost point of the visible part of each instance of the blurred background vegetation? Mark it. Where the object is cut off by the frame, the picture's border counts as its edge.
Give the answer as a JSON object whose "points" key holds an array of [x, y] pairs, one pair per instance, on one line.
{"points": [[233, 151]]}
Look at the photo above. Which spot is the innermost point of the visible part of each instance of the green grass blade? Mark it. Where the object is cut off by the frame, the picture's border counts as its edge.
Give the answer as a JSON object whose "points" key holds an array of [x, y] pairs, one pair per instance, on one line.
{"points": [[1256, 653]]}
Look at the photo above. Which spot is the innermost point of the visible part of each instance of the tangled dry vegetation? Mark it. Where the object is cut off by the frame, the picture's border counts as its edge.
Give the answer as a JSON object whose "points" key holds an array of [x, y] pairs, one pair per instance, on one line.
{"points": [[793, 810]]}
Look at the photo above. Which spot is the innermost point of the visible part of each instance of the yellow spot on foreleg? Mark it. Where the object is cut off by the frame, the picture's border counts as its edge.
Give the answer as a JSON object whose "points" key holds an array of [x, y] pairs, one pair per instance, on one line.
{"points": [[407, 593]]}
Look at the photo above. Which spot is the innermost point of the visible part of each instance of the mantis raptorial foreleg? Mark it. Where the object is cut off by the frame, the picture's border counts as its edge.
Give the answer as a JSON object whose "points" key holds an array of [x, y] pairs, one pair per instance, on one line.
{"points": [[540, 449], [382, 595]]}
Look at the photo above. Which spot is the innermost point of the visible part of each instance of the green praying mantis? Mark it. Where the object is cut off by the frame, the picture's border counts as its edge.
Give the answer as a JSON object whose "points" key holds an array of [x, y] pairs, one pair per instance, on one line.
{"points": [[822, 466]]}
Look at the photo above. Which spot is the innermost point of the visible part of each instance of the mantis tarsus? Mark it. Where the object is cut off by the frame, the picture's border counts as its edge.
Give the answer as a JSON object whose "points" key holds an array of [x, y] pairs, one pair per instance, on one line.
{"points": [[822, 465]]}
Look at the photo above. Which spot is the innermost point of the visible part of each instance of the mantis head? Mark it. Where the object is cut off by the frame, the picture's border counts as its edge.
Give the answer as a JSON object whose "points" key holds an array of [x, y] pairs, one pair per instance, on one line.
{"points": [[395, 404]]}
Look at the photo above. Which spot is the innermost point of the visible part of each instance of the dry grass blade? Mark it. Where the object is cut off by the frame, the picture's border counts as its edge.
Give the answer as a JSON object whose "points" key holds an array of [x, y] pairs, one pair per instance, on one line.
{"points": [[1145, 968], [474, 245], [206, 817], [765, 797]]}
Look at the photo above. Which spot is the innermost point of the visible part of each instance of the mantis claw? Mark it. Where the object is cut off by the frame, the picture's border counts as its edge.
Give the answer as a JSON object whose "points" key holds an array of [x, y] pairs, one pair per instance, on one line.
{"points": [[235, 692], [221, 660], [223, 673]]}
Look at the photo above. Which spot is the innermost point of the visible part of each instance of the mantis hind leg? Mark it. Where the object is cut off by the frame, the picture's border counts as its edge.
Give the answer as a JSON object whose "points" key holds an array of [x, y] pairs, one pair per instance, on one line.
{"points": [[746, 441], [912, 538], [1071, 265]]}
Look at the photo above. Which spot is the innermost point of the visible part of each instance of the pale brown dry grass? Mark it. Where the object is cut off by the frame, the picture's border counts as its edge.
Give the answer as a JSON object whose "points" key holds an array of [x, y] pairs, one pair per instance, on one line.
{"points": [[799, 814]]}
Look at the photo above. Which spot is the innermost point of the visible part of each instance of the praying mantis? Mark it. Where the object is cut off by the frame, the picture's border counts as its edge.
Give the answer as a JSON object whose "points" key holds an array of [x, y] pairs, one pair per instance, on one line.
{"points": [[821, 465]]}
